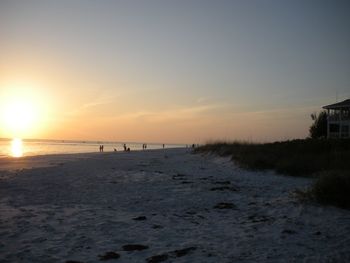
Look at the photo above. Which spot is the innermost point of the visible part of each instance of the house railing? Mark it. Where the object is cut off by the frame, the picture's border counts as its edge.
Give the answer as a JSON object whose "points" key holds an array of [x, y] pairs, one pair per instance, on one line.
{"points": [[334, 135], [336, 117], [338, 135]]}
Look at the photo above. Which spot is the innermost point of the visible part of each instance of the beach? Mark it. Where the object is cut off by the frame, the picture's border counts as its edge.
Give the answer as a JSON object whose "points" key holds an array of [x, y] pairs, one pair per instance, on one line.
{"points": [[160, 206]]}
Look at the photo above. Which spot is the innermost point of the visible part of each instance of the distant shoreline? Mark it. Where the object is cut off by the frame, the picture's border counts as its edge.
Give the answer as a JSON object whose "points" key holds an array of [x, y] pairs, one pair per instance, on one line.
{"points": [[44, 147], [91, 141], [9, 164]]}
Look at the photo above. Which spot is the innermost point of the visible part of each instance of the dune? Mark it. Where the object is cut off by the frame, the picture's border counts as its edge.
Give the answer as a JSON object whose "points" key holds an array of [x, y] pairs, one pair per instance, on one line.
{"points": [[160, 206]]}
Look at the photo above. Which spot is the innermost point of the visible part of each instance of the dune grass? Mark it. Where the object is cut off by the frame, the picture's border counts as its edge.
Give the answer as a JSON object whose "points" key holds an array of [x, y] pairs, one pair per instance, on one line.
{"points": [[327, 160]]}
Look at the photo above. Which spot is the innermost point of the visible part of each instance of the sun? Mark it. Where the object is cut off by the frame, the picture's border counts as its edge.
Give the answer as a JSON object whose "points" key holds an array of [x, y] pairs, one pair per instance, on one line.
{"points": [[20, 114]]}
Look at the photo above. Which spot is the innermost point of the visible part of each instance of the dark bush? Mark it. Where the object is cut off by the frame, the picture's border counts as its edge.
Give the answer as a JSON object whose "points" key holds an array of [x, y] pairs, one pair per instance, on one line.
{"points": [[319, 128], [333, 188]]}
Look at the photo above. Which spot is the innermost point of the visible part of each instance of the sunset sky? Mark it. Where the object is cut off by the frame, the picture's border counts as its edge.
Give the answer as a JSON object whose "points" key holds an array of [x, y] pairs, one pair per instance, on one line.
{"points": [[170, 71]]}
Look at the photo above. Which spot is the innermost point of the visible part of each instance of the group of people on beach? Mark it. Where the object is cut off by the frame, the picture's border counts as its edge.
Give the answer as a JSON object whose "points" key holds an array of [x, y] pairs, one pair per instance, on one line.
{"points": [[101, 148], [126, 149]]}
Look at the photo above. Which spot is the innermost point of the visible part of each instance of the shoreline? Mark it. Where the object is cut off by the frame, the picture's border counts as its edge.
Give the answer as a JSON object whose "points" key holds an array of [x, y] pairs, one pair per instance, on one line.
{"points": [[25, 148], [8, 163]]}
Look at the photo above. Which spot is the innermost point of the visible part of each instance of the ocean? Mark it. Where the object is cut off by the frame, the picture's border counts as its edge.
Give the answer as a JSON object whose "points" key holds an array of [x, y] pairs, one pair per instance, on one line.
{"points": [[19, 148]]}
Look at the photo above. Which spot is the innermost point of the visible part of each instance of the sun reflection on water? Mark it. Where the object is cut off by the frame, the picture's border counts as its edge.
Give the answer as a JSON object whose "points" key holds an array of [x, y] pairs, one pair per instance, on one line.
{"points": [[16, 148]]}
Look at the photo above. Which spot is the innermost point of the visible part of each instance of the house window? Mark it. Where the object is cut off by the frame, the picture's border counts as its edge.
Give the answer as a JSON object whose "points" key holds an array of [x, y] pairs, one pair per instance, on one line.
{"points": [[345, 131], [334, 131], [345, 115], [334, 127]]}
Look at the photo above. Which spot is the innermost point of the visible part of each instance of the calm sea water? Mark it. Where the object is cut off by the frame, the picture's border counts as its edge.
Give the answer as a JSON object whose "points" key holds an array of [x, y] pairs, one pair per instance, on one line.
{"points": [[18, 148]]}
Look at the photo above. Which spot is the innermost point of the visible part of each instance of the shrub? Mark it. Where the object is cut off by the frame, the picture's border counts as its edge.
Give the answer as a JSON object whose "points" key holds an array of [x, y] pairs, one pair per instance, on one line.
{"points": [[296, 157], [332, 188], [319, 128], [328, 160]]}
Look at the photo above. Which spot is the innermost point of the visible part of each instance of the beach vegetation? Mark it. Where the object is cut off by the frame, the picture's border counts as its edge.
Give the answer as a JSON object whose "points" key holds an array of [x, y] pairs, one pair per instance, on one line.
{"points": [[332, 188], [325, 160], [318, 129]]}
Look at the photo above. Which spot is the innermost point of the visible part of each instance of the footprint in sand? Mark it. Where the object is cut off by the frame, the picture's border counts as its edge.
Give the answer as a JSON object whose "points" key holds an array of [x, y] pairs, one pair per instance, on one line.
{"points": [[172, 254], [224, 188], [157, 227], [157, 258], [134, 247], [225, 206], [178, 176], [140, 218], [222, 182], [108, 256]]}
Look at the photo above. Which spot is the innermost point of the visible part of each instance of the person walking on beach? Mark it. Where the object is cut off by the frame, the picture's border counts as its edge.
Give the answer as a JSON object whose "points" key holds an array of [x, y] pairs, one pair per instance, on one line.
{"points": [[124, 147], [101, 148]]}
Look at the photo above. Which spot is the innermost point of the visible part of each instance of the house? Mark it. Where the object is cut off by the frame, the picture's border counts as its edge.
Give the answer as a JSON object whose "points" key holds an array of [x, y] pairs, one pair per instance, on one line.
{"points": [[338, 116]]}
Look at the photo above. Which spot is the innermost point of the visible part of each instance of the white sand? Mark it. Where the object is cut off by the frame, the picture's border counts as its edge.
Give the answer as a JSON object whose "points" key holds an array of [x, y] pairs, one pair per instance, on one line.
{"points": [[85, 205]]}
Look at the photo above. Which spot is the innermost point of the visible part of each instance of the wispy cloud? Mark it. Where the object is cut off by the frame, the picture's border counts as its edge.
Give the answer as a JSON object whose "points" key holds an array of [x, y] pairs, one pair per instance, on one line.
{"points": [[84, 108], [175, 114], [202, 100]]}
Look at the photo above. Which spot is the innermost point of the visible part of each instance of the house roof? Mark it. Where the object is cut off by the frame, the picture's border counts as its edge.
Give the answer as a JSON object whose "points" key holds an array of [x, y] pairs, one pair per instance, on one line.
{"points": [[339, 105]]}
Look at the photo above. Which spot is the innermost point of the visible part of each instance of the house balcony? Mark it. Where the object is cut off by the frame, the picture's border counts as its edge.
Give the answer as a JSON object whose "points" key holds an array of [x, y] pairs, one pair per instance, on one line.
{"points": [[337, 135], [338, 128], [338, 118]]}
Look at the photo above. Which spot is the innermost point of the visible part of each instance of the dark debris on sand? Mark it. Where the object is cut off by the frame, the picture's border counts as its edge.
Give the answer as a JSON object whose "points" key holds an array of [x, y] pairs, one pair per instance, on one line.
{"points": [[178, 176], [172, 254], [222, 182], [140, 218], [157, 227], [289, 231], [186, 182], [224, 205], [224, 188], [157, 258], [259, 218], [108, 256], [182, 252], [134, 247]]}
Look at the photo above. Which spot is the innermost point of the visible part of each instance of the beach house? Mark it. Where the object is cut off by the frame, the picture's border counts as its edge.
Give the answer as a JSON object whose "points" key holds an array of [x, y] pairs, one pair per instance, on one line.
{"points": [[338, 116]]}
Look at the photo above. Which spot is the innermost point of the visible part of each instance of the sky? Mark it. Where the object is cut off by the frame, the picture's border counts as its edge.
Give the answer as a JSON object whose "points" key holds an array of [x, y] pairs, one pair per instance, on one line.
{"points": [[166, 71]]}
